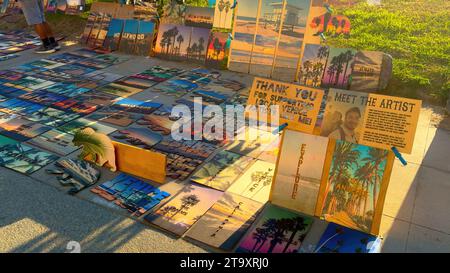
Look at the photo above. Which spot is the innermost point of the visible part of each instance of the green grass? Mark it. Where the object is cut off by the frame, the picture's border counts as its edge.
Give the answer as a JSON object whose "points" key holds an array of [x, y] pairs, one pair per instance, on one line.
{"points": [[415, 32], [417, 35]]}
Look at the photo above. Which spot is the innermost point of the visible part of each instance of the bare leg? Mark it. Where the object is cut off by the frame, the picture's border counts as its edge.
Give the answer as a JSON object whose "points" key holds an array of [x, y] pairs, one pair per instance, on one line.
{"points": [[41, 30], [48, 29]]}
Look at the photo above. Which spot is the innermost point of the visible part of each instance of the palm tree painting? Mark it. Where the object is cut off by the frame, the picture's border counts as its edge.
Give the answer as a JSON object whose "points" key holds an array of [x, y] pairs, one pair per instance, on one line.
{"points": [[131, 194], [217, 53], [173, 13], [277, 231], [226, 222], [181, 43], [223, 14], [222, 170], [22, 158], [314, 62], [339, 68], [354, 180], [339, 239], [181, 212]]}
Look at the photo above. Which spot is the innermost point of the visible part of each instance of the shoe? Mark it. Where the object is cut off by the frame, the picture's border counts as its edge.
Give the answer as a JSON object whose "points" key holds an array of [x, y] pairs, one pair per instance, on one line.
{"points": [[45, 49], [56, 46]]}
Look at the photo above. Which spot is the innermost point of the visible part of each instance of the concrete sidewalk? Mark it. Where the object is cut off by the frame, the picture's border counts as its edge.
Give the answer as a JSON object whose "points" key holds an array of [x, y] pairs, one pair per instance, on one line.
{"points": [[36, 217]]}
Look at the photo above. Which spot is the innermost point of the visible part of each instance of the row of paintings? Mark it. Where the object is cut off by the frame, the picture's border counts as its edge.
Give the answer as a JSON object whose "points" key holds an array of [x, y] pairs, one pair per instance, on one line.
{"points": [[229, 221], [187, 43], [130, 36], [268, 37]]}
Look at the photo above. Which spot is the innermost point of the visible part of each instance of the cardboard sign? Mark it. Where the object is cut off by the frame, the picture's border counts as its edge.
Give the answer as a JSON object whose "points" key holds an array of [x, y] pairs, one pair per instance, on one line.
{"points": [[299, 106], [370, 119]]}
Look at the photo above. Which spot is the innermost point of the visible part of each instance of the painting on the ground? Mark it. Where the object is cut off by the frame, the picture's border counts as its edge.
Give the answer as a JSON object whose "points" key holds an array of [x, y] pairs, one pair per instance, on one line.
{"points": [[125, 111], [217, 56], [20, 107], [222, 170], [175, 87], [160, 121], [52, 117], [223, 14], [82, 123], [22, 129], [124, 88], [344, 115], [56, 142], [66, 89], [186, 208], [226, 222], [291, 39], [22, 158], [255, 183], [277, 231], [188, 148], [180, 43], [339, 239], [137, 136], [199, 17], [75, 106], [131, 194], [251, 142], [180, 167], [352, 189], [299, 173]]}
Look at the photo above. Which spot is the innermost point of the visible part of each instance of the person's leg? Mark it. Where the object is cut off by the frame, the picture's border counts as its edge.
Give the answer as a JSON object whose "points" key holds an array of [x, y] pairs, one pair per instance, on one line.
{"points": [[33, 11], [51, 37]]}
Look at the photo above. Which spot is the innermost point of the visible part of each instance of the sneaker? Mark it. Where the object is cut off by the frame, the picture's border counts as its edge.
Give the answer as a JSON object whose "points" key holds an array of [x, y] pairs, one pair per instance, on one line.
{"points": [[45, 49], [56, 46]]}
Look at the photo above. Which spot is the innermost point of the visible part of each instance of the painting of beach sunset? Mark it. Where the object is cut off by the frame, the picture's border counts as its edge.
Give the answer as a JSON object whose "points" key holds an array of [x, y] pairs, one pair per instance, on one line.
{"points": [[244, 36], [291, 39], [269, 37]]}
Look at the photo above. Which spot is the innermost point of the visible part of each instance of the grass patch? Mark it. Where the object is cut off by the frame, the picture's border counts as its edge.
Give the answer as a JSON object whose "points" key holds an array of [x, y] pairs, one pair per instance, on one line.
{"points": [[417, 35]]}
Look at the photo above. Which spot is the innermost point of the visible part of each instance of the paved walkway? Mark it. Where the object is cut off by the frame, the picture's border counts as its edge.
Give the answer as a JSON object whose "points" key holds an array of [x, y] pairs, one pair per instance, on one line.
{"points": [[36, 217]]}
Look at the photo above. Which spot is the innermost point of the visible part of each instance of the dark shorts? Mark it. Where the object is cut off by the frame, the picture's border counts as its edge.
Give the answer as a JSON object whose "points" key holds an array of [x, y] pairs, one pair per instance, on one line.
{"points": [[33, 11]]}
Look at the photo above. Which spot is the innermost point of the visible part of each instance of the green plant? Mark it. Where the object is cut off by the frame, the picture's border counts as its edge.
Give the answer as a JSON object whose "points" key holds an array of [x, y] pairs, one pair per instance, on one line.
{"points": [[417, 35]]}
